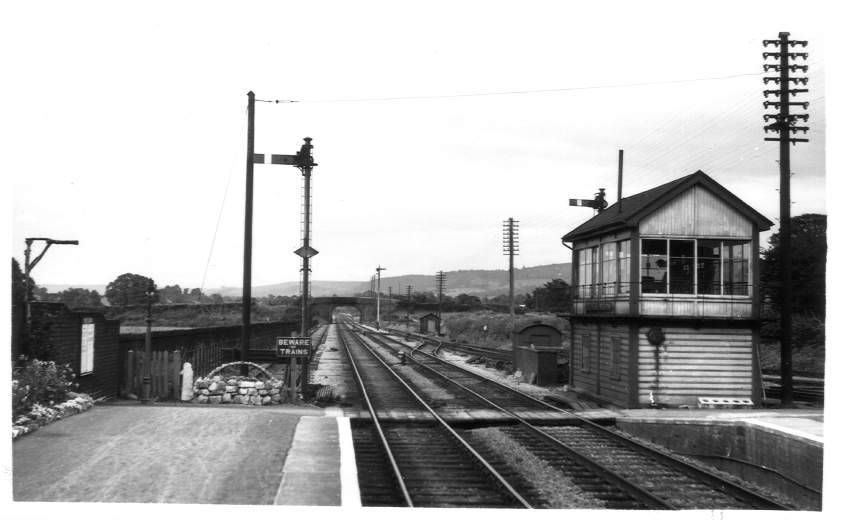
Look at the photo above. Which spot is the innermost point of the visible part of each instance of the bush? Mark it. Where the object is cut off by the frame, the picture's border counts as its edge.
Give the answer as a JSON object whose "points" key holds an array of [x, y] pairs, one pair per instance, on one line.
{"points": [[40, 383], [808, 330]]}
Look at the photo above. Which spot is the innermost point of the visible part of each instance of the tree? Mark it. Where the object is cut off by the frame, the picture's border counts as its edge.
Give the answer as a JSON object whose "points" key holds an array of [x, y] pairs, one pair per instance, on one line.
{"points": [[129, 289], [79, 298], [808, 249], [171, 294], [554, 296], [466, 299], [19, 283], [423, 297]]}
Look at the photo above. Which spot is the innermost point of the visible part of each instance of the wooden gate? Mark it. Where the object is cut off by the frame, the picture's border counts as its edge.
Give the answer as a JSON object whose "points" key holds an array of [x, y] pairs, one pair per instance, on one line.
{"points": [[165, 377]]}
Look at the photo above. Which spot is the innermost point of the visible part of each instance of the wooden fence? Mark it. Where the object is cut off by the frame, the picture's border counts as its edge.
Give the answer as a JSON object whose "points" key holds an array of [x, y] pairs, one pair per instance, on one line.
{"points": [[204, 357], [166, 369]]}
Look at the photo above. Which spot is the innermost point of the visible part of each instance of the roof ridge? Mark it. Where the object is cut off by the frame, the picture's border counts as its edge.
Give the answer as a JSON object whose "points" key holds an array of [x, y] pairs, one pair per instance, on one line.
{"points": [[627, 208]]}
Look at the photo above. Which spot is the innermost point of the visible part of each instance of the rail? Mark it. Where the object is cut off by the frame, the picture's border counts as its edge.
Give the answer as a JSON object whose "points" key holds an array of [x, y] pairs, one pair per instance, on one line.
{"points": [[740, 492], [442, 423]]}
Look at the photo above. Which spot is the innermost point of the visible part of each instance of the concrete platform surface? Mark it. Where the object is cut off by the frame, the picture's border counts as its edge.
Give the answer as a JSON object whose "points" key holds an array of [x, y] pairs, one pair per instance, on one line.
{"points": [[189, 455], [804, 424]]}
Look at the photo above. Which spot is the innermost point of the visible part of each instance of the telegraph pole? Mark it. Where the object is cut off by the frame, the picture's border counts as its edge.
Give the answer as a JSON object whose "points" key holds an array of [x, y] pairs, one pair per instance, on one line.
{"points": [[784, 123], [246, 262], [29, 266], [510, 246], [440, 287], [409, 303], [378, 270]]}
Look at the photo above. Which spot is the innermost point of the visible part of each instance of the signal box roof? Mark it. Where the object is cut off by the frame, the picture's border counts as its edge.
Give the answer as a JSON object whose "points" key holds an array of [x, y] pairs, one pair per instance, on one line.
{"points": [[637, 207]]}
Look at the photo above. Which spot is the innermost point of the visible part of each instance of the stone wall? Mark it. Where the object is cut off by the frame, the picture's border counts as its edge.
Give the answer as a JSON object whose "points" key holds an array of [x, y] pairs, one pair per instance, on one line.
{"points": [[784, 463], [237, 390]]}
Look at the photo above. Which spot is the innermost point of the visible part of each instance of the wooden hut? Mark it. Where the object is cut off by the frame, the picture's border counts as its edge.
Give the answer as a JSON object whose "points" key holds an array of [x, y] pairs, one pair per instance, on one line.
{"points": [[665, 297], [429, 324]]}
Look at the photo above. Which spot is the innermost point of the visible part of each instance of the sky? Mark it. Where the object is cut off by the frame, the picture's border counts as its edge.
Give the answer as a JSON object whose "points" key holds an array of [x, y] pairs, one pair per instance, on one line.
{"points": [[432, 122]]}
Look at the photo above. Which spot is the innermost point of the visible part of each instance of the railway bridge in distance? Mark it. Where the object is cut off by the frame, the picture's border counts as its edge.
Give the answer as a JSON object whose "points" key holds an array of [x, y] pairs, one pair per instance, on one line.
{"points": [[324, 306]]}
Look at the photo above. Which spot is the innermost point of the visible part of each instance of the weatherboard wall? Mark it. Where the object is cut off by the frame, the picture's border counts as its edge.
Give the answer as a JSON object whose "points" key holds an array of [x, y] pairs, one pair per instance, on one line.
{"points": [[600, 358], [697, 212], [708, 361]]}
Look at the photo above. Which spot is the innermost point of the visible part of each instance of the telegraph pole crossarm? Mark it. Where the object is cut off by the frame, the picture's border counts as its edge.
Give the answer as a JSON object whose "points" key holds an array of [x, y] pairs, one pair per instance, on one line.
{"points": [[378, 270], [29, 265]]}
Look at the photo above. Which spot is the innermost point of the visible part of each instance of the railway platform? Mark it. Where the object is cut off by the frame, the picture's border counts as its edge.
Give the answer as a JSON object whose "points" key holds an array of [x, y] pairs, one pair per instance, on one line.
{"points": [[761, 445]]}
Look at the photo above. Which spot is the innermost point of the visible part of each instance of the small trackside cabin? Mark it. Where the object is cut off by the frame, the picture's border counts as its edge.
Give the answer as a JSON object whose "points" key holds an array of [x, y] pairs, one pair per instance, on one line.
{"points": [[665, 297], [429, 324]]}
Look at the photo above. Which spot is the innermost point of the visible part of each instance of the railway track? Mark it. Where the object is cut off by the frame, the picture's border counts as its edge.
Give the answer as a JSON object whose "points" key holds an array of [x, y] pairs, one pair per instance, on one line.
{"points": [[807, 389], [494, 354], [612, 468], [416, 464]]}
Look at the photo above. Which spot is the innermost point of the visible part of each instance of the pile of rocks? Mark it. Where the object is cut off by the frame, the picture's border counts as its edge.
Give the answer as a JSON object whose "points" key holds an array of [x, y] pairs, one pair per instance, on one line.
{"points": [[237, 390]]}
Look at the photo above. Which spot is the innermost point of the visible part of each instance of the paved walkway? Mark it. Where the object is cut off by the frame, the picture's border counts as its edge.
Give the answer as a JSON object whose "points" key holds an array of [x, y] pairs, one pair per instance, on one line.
{"points": [[185, 454]]}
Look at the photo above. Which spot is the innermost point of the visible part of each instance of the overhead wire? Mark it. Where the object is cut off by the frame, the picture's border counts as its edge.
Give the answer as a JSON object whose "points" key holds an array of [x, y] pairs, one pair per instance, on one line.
{"points": [[510, 92], [231, 169]]}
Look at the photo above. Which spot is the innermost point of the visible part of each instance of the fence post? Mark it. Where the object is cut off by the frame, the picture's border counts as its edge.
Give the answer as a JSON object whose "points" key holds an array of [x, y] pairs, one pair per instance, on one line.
{"points": [[159, 375], [137, 361], [176, 367], [129, 376], [154, 375]]}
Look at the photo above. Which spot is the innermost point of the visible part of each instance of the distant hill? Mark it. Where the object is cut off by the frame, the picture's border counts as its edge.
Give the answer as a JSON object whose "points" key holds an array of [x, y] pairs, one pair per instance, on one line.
{"points": [[58, 287], [481, 282], [317, 288], [477, 282]]}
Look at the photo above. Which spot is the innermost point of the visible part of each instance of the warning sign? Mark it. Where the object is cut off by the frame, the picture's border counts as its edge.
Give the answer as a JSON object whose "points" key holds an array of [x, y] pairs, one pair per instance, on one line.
{"points": [[294, 347]]}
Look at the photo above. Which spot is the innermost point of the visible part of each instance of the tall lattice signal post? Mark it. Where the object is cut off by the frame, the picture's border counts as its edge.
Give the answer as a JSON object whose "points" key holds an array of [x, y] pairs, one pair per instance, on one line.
{"points": [[440, 289], [510, 246], [783, 123], [409, 303]]}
